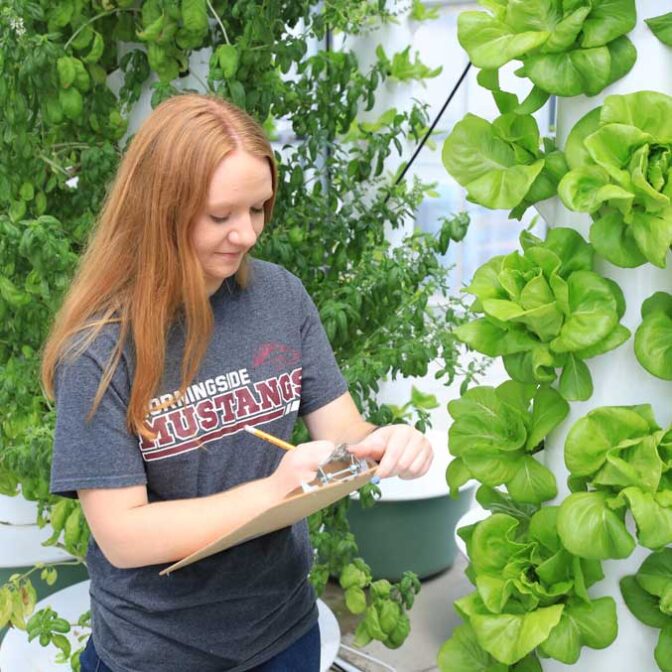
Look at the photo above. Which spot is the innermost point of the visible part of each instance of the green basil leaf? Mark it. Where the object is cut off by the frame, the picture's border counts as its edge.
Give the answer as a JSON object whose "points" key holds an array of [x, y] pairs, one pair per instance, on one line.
{"points": [[227, 56]]}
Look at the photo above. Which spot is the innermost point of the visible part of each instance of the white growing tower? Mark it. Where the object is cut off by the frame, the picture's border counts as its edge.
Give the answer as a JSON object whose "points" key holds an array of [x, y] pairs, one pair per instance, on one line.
{"points": [[618, 378]]}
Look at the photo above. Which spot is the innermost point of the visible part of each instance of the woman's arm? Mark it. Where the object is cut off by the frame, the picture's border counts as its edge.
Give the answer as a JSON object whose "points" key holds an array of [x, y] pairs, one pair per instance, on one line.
{"points": [[401, 450], [131, 532]]}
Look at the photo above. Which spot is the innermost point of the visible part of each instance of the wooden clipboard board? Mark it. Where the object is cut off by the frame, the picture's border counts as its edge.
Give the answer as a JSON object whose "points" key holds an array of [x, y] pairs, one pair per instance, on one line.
{"points": [[296, 506]]}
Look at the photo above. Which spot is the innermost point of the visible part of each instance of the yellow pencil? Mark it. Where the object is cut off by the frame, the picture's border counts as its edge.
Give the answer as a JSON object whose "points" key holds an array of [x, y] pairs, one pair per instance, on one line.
{"points": [[269, 437]]}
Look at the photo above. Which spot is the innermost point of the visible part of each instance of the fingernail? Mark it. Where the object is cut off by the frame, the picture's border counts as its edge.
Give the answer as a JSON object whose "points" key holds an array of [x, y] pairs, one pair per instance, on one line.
{"points": [[375, 480]]}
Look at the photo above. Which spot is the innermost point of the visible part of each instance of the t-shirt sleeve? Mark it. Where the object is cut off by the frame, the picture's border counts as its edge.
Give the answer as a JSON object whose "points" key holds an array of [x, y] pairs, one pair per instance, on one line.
{"points": [[95, 452], [322, 380]]}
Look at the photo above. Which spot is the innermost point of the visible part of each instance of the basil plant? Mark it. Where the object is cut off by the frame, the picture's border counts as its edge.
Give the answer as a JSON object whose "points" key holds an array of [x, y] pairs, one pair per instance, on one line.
{"points": [[648, 595], [546, 310], [619, 459], [620, 156], [495, 434], [566, 47], [531, 596]]}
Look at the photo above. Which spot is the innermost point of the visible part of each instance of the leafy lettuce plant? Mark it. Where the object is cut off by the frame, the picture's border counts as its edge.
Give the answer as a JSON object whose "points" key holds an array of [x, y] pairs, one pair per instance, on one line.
{"points": [[653, 338], [567, 47], [496, 433], [648, 595], [531, 595], [619, 459], [661, 27], [546, 309], [502, 164], [620, 157]]}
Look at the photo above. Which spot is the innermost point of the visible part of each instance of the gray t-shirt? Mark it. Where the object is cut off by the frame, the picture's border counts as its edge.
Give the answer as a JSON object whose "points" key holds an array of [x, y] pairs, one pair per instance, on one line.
{"points": [[269, 360]]}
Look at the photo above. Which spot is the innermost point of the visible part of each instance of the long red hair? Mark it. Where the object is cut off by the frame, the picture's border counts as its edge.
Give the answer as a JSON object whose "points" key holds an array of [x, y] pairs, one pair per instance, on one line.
{"points": [[140, 267]]}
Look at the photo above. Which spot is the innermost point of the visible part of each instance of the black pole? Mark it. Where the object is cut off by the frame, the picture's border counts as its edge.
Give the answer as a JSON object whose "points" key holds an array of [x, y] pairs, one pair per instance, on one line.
{"points": [[431, 129]]}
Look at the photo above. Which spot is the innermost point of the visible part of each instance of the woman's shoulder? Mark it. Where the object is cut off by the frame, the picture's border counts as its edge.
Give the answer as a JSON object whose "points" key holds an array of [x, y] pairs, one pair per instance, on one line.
{"points": [[265, 275], [97, 340]]}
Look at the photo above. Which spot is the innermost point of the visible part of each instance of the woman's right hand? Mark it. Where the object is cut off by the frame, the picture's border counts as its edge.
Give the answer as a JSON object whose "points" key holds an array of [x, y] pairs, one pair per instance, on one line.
{"points": [[300, 465]]}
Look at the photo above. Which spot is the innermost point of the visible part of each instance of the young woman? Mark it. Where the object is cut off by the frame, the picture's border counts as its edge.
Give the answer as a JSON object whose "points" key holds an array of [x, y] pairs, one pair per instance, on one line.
{"points": [[170, 340]]}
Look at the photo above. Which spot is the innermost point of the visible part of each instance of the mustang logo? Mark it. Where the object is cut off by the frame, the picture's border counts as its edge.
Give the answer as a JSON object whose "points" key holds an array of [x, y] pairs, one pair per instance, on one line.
{"points": [[280, 355]]}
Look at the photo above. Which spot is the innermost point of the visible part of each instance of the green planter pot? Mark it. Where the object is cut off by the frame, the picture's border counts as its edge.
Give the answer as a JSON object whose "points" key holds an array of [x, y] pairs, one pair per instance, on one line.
{"points": [[412, 526], [416, 535]]}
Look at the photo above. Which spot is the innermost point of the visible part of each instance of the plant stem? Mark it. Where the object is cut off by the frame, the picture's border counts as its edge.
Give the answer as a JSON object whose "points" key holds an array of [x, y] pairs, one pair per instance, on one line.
{"points": [[67, 563], [62, 145], [54, 165], [221, 25], [95, 18], [203, 84]]}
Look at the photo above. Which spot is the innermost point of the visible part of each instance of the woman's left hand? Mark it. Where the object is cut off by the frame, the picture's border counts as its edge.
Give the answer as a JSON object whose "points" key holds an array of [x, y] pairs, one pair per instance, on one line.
{"points": [[401, 451]]}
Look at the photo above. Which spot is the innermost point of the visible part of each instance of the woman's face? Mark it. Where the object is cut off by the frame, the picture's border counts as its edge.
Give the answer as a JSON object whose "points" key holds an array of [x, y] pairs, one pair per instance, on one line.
{"points": [[233, 217]]}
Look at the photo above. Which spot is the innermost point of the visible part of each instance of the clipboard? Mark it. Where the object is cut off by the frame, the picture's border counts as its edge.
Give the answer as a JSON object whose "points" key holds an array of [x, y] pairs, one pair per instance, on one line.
{"points": [[297, 505]]}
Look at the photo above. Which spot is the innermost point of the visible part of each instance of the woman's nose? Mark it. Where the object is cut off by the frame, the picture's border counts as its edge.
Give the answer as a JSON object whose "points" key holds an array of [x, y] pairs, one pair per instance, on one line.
{"points": [[243, 232]]}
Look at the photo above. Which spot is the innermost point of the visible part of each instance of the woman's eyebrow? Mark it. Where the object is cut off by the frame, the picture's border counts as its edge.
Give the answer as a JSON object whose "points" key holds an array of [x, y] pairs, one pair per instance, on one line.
{"points": [[224, 204]]}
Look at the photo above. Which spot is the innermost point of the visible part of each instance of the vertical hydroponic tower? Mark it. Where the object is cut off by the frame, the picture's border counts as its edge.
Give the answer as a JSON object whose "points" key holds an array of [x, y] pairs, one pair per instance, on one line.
{"points": [[618, 377], [574, 453]]}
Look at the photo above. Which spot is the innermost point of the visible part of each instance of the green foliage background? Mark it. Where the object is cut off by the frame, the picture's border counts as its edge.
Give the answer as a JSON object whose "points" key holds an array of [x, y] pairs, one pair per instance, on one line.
{"points": [[59, 119]]}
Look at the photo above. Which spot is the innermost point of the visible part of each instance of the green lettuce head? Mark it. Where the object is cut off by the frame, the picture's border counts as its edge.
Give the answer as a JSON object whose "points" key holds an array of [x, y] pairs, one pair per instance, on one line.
{"points": [[653, 338], [531, 598], [567, 47], [619, 459], [619, 157], [502, 164], [546, 309], [648, 595], [495, 434]]}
